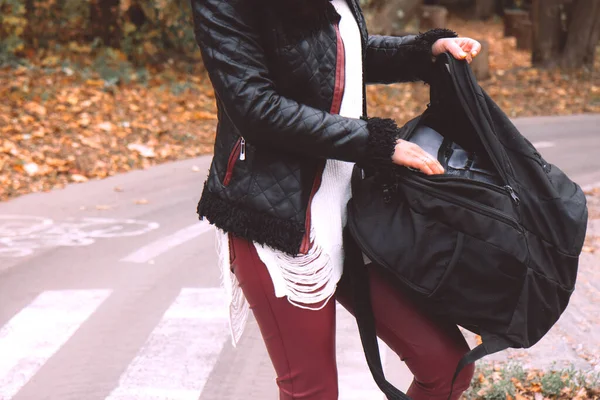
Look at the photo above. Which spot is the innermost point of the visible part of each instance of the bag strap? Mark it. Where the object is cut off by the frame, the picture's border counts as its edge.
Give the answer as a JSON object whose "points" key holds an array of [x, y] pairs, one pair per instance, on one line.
{"points": [[444, 153], [490, 344], [363, 310]]}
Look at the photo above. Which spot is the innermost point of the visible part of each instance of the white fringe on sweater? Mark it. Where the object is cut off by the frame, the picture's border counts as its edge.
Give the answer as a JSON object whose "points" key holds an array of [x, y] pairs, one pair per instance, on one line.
{"points": [[308, 281], [239, 308]]}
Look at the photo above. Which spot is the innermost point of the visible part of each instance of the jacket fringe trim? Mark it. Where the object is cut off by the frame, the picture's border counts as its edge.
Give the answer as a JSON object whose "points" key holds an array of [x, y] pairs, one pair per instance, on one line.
{"points": [[259, 227]]}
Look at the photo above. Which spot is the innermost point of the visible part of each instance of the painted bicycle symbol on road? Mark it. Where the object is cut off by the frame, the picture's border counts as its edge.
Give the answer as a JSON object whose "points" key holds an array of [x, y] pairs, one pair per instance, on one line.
{"points": [[21, 236]]}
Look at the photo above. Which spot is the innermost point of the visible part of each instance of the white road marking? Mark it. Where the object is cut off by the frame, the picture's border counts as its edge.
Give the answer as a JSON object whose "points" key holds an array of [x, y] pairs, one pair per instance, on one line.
{"points": [[176, 360], [355, 379], [543, 145], [36, 333], [178, 357], [162, 245], [22, 235]]}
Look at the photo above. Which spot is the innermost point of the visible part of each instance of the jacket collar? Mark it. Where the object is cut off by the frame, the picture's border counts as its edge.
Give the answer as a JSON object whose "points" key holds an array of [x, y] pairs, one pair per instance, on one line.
{"points": [[302, 17], [301, 8]]}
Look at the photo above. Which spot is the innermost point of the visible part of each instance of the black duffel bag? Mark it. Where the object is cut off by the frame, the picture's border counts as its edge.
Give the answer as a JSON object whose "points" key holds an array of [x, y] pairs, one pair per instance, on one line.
{"points": [[492, 245]]}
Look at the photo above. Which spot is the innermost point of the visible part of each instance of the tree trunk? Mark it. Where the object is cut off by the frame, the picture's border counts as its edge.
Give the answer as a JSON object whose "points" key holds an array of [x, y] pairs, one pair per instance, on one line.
{"points": [[512, 18], [432, 17], [484, 9], [30, 17], [548, 32], [524, 35], [583, 34], [503, 5], [389, 17], [104, 21], [481, 63]]}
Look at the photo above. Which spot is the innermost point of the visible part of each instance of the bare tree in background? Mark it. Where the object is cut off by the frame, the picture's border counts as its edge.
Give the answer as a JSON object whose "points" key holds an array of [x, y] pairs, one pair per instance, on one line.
{"points": [[565, 32], [389, 17], [104, 21], [29, 11]]}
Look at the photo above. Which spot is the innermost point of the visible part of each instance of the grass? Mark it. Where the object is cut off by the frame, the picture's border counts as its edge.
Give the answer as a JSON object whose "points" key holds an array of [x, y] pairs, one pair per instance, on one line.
{"points": [[511, 381]]}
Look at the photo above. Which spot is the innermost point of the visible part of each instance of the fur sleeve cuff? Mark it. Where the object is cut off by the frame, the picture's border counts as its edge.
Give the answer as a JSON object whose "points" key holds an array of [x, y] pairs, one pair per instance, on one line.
{"points": [[424, 41], [383, 134]]}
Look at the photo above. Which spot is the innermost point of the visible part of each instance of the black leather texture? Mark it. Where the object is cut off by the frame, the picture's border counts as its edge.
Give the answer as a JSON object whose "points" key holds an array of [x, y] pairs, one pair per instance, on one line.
{"points": [[274, 82]]}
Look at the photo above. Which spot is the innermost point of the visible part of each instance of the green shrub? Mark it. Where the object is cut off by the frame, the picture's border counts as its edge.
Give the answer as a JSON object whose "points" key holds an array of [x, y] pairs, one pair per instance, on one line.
{"points": [[500, 382], [12, 26], [144, 30]]}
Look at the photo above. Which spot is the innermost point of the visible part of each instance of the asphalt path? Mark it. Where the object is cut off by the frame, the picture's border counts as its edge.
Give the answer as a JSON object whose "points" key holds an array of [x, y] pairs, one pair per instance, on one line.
{"points": [[110, 290]]}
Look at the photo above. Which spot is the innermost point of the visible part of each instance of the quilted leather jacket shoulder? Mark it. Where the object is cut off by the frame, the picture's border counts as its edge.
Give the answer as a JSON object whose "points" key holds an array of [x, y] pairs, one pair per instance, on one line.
{"points": [[275, 86]]}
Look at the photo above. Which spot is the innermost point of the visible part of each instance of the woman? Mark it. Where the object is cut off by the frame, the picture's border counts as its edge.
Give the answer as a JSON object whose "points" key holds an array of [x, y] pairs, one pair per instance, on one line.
{"points": [[289, 79]]}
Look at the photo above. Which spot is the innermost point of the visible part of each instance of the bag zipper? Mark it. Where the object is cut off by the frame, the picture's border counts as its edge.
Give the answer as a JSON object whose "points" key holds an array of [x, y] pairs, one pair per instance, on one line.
{"points": [[506, 190], [462, 202], [500, 170], [237, 153], [441, 178]]}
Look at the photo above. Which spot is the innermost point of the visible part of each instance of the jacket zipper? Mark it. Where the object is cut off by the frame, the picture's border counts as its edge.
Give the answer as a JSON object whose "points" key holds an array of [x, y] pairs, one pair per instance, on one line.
{"points": [[336, 103], [340, 73], [237, 153], [462, 202]]}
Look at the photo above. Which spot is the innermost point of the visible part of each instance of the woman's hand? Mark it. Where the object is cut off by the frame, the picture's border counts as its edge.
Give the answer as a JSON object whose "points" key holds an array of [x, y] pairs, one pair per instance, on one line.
{"points": [[460, 48], [411, 155]]}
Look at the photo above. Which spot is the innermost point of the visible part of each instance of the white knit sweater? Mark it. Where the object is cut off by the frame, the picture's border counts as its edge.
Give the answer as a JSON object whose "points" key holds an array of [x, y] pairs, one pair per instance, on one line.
{"points": [[310, 280]]}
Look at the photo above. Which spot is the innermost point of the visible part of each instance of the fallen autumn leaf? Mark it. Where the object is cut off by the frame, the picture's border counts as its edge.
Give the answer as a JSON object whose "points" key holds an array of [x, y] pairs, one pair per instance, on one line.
{"points": [[31, 168], [79, 178], [144, 151]]}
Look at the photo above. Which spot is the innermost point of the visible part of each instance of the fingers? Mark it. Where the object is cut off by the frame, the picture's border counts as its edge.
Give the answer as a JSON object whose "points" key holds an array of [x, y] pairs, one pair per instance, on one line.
{"points": [[476, 48], [456, 50], [426, 167], [463, 48], [431, 165], [410, 155]]}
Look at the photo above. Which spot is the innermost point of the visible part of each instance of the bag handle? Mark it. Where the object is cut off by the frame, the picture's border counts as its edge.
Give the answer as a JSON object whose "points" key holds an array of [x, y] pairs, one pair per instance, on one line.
{"points": [[365, 319], [471, 97]]}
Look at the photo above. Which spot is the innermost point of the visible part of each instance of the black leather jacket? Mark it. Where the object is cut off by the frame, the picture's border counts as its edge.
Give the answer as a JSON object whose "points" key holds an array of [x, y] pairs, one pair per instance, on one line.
{"points": [[278, 76]]}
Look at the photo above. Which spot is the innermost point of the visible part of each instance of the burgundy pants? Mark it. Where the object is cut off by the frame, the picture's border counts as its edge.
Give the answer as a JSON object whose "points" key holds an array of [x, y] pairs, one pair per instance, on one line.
{"points": [[301, 343]]}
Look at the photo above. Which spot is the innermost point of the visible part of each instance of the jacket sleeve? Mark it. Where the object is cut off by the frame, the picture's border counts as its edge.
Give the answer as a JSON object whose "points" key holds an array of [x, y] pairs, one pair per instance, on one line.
{"points": [[226, 32], [408, 58]]}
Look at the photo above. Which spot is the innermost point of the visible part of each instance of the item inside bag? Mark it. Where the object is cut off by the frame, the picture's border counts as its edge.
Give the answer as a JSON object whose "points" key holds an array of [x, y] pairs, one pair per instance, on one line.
{"points": [[456, 160]]}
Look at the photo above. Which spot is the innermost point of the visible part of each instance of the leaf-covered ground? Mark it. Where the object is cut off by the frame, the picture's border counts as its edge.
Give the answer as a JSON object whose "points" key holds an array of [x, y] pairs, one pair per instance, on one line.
{"points": [[512, 382], [592, 240], [517, 87], [70, 117]]}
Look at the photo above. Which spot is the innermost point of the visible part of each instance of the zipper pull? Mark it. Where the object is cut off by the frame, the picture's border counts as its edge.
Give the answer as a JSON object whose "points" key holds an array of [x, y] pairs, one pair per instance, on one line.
{"points": [[243, 149], [513, 195], [387, 195]]}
